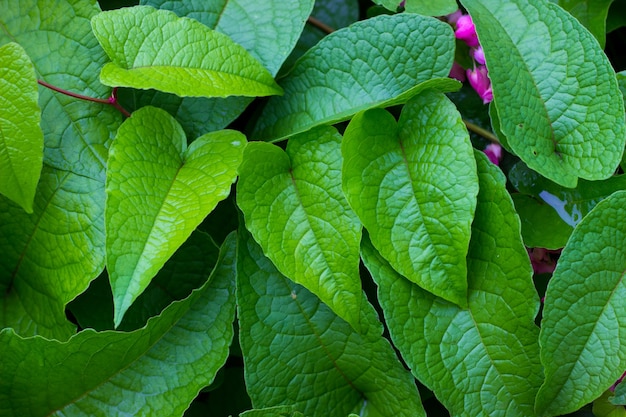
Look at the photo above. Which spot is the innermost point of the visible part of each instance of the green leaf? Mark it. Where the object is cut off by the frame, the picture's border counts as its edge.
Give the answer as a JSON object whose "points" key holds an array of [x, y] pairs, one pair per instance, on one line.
{"points": [[542, 227], [571, 204], [583, 347], [413, 184], [21, 138], [590, 13], [156, 49], [158, 191], [558, 101], [423, 7], [299, 353], [357, 68], [157, 370], [602, 407], [294, 207], [50, 256], [484, 359], [280, 411], [620, 394], [57, 37]]}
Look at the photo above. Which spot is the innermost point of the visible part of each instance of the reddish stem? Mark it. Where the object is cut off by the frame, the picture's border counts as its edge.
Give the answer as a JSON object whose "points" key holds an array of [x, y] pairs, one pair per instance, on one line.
{"points": [[112, 101]]}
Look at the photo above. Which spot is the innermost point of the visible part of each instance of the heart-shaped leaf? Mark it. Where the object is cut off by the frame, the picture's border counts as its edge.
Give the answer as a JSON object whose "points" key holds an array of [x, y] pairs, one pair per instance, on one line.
{"points": [[153, 48], [413, 184], [299, 353], [482, 360], [557, 100], [583, 330], [356, 68], [158, 191], [21, 138], [294, 207], [154, 371]]}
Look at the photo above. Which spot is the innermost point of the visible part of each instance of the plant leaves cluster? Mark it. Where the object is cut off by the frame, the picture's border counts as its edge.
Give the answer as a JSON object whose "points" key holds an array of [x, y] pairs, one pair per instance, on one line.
{"points": [[149, 261]]}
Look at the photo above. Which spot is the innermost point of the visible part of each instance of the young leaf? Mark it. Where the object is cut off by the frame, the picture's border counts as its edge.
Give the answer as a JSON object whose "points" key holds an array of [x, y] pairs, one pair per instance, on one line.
{"points": [[413, 184], [158, 191], [357, 68], [483, 359], [299, 353], [50, 256], [57, 37], [591, 13], [21, 138], [557, 100], [156, 49], [157, 370], [294, 207], [583, 347], [423, 7]]}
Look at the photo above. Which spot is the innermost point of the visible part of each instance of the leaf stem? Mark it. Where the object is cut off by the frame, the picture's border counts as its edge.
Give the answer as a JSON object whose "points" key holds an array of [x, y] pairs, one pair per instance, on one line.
{"points": [[320, 25], [482, 132], [110, 101]]}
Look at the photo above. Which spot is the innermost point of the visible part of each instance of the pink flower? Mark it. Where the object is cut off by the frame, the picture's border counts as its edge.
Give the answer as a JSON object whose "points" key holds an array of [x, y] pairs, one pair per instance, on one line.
{"points": [[454, 17], [478, 54], [466, 31], [494, 153], [457, 72], [479, 80], [542, 261]]}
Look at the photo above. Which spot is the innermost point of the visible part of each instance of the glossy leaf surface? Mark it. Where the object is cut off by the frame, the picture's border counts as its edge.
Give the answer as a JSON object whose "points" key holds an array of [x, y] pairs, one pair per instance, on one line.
{"points": [[483, 359], [153, 48], [158, 191], [294, 207], [583, 347], [591, 13], [105, 373], [413, 184], [299, 353], [558, 101], [21, 138], [50, 256], [355, 69]]}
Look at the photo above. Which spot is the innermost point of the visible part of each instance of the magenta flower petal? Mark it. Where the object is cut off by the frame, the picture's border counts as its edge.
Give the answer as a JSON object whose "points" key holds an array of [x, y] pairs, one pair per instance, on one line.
{"points": [[457, 72], [454, 17], [478, 54], [466, 31], [494, 153], [479, 80]]}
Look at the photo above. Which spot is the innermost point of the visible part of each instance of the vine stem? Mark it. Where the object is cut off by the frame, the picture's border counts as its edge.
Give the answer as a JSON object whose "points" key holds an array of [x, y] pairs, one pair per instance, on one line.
{"points": [[482, 132], [112, 101], [320, 25]]}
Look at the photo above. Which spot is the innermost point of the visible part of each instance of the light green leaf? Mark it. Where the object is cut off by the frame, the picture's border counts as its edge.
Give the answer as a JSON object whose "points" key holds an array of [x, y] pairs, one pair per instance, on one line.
{"points": [[21, 138], [156, 49], [558, 101], [423, 7], [482, 360], [542, 227], [58, 39], [583, 347], [299, 353], [413, 184], [591, 13], [620, 394], [602, 407], [157, 370], [294, 207], [158, 191], [50, 256], [373, 63], [280, 411]]}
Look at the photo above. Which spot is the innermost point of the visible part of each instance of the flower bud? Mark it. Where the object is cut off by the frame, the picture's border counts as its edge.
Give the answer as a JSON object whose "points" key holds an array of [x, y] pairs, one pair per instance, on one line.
{"points": [[494, 153], [454, 17], [466, 31], [479, 80], [478, 54], [457, 72]]}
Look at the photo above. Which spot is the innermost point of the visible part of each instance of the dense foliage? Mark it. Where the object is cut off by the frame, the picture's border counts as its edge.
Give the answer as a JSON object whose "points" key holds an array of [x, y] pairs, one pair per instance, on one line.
{"points": [[312, 208]]}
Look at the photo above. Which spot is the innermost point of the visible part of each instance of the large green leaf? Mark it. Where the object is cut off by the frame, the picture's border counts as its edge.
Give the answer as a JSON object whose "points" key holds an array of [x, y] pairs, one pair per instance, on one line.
{"points": [[294, 207], [413, 184], [158, 191], [542, 227], [356, 68], [58, 39], [21, 138], [482, 360], [50, 256], [424, 7], [583, 342], [299, 353], [558, 101], [153, 48], [591, 13], [157, 370]]}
